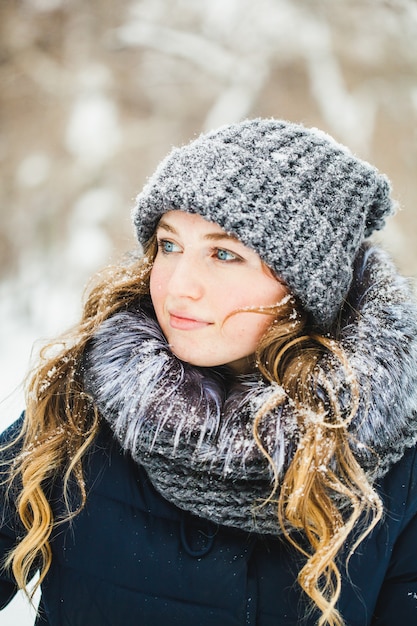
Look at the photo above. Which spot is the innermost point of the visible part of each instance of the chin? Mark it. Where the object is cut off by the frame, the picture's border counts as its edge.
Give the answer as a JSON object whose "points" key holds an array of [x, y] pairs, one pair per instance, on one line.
{"points": [[195, 360]]}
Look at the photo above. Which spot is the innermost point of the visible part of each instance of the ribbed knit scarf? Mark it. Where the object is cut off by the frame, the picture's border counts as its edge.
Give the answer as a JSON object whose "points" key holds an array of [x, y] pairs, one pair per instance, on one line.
{"points": [[191, 429]]}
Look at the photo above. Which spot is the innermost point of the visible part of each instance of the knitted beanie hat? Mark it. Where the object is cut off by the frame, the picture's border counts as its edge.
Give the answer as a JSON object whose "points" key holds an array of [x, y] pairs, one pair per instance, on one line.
{"points": [[302, 201]]}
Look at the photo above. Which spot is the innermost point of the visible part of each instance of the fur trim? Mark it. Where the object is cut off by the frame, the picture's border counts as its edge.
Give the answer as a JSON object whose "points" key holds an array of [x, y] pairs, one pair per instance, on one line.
{"points": [[193, 432], [380, 341]]}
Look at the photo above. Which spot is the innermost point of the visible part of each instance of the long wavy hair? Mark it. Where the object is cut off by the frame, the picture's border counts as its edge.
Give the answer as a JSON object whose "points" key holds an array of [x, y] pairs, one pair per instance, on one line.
{"points": [[61, 423]]}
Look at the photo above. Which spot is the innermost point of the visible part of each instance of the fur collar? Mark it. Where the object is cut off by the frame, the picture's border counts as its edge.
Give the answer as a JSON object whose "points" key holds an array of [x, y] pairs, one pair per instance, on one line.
{"points": [[192, 430]]}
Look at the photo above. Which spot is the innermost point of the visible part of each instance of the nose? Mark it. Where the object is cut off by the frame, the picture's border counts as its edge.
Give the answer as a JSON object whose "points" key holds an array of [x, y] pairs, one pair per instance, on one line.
{"points": [[186, 280]]}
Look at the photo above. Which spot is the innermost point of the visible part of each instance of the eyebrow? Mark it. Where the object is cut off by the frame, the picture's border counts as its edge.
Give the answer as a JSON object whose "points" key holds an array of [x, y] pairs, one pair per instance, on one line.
{"points": [[210, 236]]}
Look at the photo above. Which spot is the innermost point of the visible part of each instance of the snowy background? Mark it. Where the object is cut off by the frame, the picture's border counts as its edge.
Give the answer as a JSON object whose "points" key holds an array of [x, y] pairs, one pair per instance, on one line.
{"points": [[93, 94]]}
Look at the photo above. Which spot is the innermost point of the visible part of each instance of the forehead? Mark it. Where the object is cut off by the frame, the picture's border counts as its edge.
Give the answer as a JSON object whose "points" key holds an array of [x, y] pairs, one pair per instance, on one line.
{"points": [[180, 221]]}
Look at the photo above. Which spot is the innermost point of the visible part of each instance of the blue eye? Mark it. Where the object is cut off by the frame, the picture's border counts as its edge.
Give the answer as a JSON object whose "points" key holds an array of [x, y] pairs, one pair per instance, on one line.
{"points": [[225, 255], [167, 246]]}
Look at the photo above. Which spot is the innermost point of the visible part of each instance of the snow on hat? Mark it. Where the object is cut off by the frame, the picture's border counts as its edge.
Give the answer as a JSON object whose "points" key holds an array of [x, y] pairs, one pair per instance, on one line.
{"points": [[302, 201]]}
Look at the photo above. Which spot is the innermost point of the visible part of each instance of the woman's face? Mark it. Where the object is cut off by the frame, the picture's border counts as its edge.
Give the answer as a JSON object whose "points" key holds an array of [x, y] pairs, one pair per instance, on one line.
{"points": [[199, 278]]}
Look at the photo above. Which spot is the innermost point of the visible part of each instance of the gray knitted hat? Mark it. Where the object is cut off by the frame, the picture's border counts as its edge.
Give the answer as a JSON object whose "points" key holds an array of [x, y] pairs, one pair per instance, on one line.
{"points": [[302, 201]]}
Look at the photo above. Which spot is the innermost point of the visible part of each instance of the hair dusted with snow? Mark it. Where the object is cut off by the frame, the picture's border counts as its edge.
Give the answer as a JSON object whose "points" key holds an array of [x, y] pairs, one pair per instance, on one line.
{"points": [[324, 469], [62, 421]]}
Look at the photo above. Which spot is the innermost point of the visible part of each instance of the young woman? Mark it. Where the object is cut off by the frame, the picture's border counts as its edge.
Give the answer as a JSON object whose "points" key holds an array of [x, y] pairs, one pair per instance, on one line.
{"points": [[228, 436]]}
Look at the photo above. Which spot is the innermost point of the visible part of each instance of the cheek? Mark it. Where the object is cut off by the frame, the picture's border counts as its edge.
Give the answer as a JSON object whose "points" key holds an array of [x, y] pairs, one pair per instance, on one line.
{"points": [[246, 329], [156, 287], [265, 291], [261, 325]]}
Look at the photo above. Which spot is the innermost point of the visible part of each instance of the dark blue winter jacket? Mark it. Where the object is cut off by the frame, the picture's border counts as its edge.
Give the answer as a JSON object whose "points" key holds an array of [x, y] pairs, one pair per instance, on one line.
{"points": [[131, 558]]}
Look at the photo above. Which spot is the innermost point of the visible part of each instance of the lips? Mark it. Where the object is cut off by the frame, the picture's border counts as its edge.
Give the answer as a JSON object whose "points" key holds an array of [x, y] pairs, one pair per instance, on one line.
{"points": [[179, 321]]}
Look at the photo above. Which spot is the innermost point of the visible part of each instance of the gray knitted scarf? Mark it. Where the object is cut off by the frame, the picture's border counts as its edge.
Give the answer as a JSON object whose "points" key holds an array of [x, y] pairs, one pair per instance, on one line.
{"points": [[191, 428]]}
